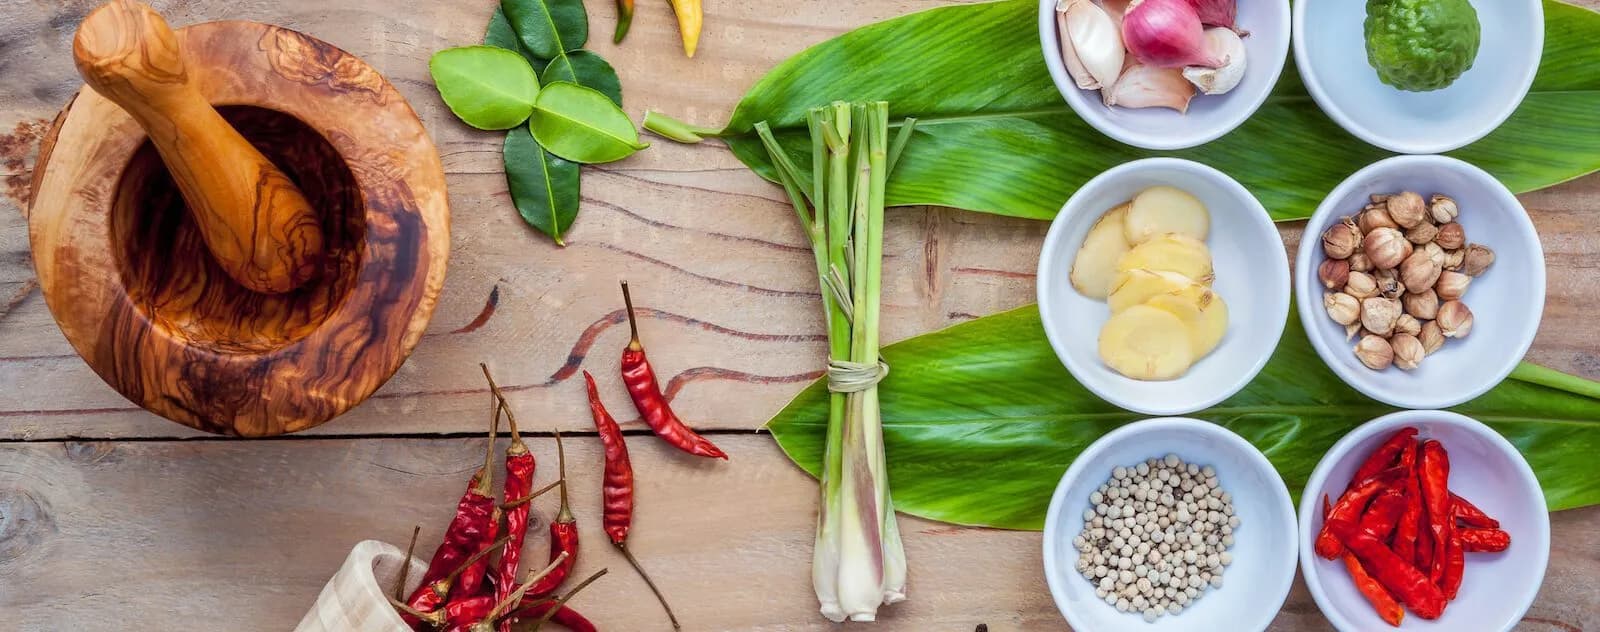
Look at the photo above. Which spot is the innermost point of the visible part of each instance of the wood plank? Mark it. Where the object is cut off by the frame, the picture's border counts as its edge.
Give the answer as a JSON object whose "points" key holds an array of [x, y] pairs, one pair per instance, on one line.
{"points": [[157, 532], [711, 249]]}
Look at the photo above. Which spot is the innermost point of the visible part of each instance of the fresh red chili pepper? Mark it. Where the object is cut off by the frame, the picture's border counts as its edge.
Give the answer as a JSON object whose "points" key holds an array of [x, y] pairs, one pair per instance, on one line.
{"points": [[1455, 565], [640, 379], [520, 466], [1476, 540], [1382, 515], [1402, 580], [1388, 609], [563, 534], [1346, 513], [617, 490], [563, 615], [1470, 515], [1435, 483], [1385, 454]]}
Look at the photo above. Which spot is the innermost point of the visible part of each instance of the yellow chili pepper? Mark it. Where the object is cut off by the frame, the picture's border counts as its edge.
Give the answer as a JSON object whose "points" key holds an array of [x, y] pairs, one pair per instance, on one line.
{"points": [[689, 20]]}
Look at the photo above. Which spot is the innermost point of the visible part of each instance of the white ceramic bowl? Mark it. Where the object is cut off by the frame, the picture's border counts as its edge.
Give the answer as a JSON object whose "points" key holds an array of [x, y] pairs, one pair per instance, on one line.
{"points": [[1506, 301], [1253, 587], [1209, 116], [1252, 278], [1497, 588], [1330, 51]]}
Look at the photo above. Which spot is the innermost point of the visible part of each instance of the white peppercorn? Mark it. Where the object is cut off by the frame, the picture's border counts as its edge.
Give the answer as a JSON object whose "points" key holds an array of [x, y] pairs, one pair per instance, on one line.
{"points": [[1155, 536]]}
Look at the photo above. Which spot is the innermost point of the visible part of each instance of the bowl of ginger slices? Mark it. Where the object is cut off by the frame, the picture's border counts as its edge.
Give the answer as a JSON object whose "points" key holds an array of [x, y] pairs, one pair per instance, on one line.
{"points": [[1163, 286]]}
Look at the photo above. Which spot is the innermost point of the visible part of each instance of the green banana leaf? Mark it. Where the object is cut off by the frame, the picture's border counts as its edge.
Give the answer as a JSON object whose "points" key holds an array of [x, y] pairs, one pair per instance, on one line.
{"points": [[994, 135], [980, 420]]}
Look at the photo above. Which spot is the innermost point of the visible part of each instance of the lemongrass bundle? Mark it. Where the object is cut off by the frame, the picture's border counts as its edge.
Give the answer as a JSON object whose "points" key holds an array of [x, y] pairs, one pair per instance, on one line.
{"points": [[859, 562]]}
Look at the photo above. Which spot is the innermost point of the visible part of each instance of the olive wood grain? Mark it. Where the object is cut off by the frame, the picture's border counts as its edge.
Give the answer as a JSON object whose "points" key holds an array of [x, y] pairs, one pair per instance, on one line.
{"points": [[253, 219], [126, 270]]}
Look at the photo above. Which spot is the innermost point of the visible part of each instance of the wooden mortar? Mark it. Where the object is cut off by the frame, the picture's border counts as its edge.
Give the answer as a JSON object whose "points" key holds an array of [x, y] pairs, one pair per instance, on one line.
{"points": [[145, 291]]}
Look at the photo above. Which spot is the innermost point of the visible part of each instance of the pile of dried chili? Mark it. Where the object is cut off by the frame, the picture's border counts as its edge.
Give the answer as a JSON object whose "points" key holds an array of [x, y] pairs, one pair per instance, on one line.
{"points": [[465, 588], [1402, 533]]}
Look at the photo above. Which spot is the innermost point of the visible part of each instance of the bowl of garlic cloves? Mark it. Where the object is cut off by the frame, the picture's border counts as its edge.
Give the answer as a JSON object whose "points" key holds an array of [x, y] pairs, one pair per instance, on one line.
{"points": [[1164, 74]]}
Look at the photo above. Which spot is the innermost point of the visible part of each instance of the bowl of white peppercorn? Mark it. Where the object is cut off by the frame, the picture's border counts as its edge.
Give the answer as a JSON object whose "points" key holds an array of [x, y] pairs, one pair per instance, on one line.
{"points": [[1420, 281], [1170, 524]]}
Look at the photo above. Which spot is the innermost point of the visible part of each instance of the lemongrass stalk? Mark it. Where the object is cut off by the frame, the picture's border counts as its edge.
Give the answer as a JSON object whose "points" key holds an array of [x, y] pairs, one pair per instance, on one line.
{"points": [[859, 562]]}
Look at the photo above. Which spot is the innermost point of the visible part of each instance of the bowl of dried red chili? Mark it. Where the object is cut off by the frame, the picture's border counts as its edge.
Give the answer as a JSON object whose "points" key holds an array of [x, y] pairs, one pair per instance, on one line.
{"points": [[1423, 519]]}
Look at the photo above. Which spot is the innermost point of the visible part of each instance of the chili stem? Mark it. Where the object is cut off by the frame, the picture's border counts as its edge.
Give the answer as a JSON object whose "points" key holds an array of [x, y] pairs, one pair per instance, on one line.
{"points": [[648, 582], [473, 559], [564, 598], [633, 326], [513, 504], [500, 400], [565, 514], [436, 617], [405, 567], [486, 482], [522, 589]]}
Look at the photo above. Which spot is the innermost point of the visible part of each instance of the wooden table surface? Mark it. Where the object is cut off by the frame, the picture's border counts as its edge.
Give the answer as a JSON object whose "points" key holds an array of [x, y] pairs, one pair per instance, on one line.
{"points": [[110, 516]]}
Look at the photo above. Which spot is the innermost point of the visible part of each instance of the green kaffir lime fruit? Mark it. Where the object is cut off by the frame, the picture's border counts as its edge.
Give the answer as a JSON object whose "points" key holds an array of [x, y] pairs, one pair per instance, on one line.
{"points": [[1421, 45]]}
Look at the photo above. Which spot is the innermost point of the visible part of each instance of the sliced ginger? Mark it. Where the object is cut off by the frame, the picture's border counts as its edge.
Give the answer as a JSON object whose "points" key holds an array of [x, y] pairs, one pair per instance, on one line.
{"points": [[1136, 286], [1148, 259], [1160, 210], [1146, 343], [1095, 265], [1201, 310], [1170, 252]]}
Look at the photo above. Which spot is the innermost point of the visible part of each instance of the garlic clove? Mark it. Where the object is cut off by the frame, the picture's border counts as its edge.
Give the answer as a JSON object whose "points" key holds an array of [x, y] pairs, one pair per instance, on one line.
{"points": [[1091, 45], [1142, 86], [1223, 43]]}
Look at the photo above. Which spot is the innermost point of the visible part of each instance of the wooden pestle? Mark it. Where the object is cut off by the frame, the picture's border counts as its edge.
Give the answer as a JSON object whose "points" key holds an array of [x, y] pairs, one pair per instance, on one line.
{"points": [[255, 222]]}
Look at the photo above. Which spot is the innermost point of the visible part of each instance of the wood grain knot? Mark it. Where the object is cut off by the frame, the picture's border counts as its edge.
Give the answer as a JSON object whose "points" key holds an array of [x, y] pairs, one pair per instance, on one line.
{"points": [[91, 452], [317, 63], [25, 522]]}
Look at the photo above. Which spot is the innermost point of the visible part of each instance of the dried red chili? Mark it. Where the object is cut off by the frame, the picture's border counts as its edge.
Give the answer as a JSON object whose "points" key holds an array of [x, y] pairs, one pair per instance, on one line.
{"points": [[557, 605], [520, 466], [1388, 609], [1405, 534], [640, 378], [503, 607], [1423, 555], [475, 522], [617, 489], [1402, 580], [1346, 513], [1435, 464], [1476, 540], [1382, 515], [564, 615], [431, 596], [1455, 565], [1470, 515], [1385, 454], [563, 534]]}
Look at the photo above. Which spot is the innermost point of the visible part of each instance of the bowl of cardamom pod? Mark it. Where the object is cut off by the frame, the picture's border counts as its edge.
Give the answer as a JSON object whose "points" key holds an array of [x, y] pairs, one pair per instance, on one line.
{"points": [[1420, 281]]}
